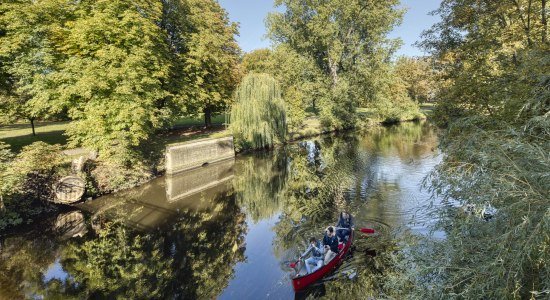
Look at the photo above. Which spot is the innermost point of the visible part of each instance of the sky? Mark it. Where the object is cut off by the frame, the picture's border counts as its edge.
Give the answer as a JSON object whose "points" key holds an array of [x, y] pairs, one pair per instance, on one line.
{"points": [[251, 14]]}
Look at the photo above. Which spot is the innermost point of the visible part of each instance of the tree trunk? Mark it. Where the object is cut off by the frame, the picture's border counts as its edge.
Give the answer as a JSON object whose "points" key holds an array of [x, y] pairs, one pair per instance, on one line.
{"points": [[529, 42], [32, 126], [333, 71], [543, 20], [207, 116]]}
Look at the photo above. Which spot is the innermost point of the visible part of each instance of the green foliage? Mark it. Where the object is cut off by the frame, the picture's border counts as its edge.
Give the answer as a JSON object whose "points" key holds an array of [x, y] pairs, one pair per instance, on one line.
{"points": [[338, 109], [119, 263], [258, 61], [488, 66], [112, 82], [28, 55], [260, 184], [23, 264], [258, 117], [389, 99], [38, 160], [210, 63], [27, 181], [5, 158], [506, 169], [300, 79], [120, 70], [345, 43], [495, 102], [418, 76]]}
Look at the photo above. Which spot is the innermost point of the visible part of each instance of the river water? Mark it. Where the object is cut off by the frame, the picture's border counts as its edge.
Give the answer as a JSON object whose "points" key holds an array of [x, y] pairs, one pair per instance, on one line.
{"points": [[229, 230]]}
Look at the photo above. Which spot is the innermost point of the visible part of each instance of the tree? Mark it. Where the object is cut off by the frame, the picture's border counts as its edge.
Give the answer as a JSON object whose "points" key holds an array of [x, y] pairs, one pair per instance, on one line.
{"points": [[112, 81], [258, 61], [341, 37], [494, 101], [28, 56], [211, 61], [418, 76], [258, 117], [300, 79], [487, 69]]}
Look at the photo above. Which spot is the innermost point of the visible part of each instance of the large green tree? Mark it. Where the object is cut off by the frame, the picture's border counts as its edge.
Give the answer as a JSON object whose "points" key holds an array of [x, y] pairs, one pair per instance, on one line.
{"points": [[491, 54], [343, 38], [258, 118], [210, 69], [418, 75], [301, 81], [112, 82], [28, 55]]}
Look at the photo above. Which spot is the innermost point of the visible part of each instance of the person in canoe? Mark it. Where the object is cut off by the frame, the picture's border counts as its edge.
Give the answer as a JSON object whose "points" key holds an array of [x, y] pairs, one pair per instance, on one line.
{"points": [[344, 226], [316, 258], [330, 242]]}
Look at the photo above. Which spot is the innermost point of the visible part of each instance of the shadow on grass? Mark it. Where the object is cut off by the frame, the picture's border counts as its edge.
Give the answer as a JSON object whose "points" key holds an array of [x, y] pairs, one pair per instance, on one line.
{"points": [[27, 126], [52, 137]]}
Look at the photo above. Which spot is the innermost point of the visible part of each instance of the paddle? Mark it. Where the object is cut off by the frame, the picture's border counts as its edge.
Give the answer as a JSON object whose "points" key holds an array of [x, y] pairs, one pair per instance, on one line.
{"points": [[363, 230], [293, 265], [367, 230]]}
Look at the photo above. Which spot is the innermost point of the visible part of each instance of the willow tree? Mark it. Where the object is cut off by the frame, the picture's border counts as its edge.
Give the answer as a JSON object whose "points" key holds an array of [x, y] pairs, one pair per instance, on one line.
{"points": [[258, 117]]}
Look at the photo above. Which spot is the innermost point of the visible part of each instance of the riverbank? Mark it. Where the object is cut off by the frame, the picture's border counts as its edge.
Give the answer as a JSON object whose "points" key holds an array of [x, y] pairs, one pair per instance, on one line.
{"points": [[96, 172]]}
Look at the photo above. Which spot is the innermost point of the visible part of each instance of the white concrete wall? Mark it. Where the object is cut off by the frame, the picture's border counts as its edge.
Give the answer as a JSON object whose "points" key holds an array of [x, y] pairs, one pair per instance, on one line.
{"points": [[194, 154]]}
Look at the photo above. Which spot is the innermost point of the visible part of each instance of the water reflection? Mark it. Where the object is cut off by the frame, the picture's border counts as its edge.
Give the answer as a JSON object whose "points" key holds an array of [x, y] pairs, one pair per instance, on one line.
{"points": [[228, 230]]}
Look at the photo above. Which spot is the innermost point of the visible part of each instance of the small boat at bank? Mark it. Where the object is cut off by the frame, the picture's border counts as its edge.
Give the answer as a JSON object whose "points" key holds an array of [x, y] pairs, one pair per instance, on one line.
{"points": [[301, 282]]}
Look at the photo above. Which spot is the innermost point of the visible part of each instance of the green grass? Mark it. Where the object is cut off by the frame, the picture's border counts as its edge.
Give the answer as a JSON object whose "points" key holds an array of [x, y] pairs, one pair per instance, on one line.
{"points": [[20, 134], [311, 127], [198, 121]]}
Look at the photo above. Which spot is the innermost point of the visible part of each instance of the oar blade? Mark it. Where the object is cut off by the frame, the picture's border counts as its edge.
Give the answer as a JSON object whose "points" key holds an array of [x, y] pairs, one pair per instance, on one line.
{"points": [[367, 230]]}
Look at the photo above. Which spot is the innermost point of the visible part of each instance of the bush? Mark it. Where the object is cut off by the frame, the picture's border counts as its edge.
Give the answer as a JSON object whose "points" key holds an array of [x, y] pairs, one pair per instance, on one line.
{"points": [[338, 111], [27, 181]]}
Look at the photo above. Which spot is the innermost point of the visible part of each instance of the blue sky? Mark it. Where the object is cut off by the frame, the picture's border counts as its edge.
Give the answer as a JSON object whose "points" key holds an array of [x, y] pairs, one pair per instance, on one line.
{"points": [[250, 14]]}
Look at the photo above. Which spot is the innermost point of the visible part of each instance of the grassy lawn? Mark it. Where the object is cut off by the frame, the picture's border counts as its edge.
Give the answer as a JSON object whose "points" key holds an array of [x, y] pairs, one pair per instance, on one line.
{"points": [[20, 134], [198, 121]]}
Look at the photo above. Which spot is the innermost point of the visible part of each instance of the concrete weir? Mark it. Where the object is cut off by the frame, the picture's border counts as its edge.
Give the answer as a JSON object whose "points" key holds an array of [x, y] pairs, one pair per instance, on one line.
{"points": [[158, 203], [187, 183], [190, 155]]}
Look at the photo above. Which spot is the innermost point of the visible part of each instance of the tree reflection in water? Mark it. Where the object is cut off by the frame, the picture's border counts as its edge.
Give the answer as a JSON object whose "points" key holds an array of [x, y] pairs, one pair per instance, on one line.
{"points": [[259, 183], [191, 258], [145, 244]]}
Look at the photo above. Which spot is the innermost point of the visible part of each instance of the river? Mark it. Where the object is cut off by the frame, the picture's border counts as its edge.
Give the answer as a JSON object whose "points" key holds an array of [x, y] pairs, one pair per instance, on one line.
{"points": [[229, 230]]}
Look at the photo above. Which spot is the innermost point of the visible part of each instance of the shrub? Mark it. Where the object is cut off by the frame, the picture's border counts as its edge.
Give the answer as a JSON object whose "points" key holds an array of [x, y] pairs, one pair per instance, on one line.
{"points": [[28, 180]]}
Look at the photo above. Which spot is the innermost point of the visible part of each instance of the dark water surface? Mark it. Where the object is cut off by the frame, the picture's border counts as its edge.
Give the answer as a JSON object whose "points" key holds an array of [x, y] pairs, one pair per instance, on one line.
{"points": [[229, 230]]}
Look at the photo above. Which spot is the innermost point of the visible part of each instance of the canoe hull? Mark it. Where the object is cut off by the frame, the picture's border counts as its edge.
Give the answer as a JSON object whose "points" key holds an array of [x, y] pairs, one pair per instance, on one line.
{"points": [[302, 282]]}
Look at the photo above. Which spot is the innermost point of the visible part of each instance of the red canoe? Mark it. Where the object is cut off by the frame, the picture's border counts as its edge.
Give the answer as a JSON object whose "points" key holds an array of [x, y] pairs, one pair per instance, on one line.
{"points": [[301, 282]]}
